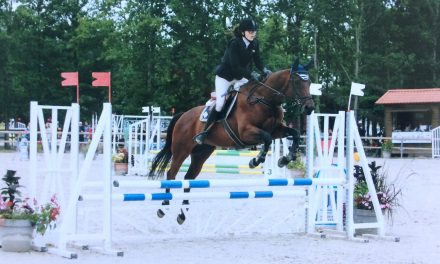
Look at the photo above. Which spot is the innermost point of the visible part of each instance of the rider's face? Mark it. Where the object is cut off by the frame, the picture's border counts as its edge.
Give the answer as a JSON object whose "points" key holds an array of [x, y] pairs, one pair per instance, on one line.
{"points": [[250, 35]]}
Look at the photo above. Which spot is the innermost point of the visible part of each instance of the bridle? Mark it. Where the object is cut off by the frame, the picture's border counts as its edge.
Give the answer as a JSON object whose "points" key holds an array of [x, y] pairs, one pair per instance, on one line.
{"points": [[297, 99], [303, 77]]}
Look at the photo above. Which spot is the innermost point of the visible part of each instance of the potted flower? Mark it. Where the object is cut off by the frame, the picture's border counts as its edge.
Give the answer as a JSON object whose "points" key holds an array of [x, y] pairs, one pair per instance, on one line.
{"points": [[387, 193], [120, 160], [19, 218], [387, 147], [297, 168]]}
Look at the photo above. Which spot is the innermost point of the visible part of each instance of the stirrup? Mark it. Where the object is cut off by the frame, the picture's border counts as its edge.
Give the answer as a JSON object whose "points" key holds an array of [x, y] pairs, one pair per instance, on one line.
{"points": [[199, 138]]}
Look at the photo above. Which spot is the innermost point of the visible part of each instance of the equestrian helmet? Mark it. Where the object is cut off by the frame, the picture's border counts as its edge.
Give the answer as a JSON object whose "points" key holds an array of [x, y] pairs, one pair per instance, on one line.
{"points": [[248, 25]]}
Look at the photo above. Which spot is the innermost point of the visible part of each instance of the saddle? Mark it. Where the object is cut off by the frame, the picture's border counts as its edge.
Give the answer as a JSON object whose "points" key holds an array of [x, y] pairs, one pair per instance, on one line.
{"points": [[231, 98]]}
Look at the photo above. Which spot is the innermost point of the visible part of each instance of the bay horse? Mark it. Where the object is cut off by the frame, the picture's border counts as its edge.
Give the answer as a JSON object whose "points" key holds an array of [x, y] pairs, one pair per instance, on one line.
{"points": [[256, 119]]}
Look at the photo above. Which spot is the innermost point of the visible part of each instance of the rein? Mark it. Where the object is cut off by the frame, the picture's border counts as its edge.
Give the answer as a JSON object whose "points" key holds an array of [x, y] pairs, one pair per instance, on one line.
{"points": [[298, 100]]}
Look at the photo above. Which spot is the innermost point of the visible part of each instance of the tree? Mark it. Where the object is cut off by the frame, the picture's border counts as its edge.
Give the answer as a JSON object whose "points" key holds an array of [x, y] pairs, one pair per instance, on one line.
{"points": [[163, 53]]}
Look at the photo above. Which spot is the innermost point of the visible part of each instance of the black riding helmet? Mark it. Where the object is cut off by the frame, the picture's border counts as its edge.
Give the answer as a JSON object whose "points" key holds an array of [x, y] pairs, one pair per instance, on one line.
{"points": [[248, 25]]}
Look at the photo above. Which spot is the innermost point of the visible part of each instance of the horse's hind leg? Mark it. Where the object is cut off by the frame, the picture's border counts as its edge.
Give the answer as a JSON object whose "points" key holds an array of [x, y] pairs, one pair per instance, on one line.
{"points": [[176, 163], [160, 212], [198, 157]]}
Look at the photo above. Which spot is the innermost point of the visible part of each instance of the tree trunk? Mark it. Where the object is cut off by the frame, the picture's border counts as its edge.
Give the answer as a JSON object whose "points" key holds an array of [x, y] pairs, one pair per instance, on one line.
{"points": [[358, 33]]}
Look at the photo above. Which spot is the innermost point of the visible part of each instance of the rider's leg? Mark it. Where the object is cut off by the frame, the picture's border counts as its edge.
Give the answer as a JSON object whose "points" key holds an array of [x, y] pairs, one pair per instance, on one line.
{"points": [[240, 83], [199, 138], [221, 87]]}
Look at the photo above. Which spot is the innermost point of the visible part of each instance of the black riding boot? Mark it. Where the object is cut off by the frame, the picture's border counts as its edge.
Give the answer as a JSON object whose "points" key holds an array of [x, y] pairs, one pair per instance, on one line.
{"points": [[199, 138]]}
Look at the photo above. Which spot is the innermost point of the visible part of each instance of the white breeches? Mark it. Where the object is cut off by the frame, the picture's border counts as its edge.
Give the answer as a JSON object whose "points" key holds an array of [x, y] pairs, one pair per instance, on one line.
{"points": [[221, 90]]}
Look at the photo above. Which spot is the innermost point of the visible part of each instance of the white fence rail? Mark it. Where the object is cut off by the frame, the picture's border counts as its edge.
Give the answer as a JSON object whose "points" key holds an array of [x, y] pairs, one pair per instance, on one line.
{"points": [[436, 142], [144, 136]]}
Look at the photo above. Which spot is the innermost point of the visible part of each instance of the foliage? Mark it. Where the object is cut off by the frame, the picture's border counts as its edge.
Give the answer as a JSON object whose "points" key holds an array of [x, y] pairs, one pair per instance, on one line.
{"points": [[162, 53], [387, 193], [13, 207], [119, 158], [298, 164], [387, 145]]}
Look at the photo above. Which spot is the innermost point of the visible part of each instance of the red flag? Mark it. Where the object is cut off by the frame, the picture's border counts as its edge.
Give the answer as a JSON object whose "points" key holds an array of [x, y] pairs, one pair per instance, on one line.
{"points": [[101, 78], [70, 78]]}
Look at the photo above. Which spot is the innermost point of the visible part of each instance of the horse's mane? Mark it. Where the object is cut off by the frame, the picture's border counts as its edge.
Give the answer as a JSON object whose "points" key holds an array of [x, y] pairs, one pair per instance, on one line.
{"points": [[253, 83]]}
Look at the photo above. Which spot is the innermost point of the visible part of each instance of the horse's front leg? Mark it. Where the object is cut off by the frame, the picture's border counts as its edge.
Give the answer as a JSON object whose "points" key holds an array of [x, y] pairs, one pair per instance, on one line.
{"points": [[261, 157], [293, 149], [198, 157]]}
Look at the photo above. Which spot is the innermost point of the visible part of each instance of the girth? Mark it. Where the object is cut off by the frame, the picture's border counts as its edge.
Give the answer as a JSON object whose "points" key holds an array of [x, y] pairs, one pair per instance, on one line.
{"points": [[231, 134]]}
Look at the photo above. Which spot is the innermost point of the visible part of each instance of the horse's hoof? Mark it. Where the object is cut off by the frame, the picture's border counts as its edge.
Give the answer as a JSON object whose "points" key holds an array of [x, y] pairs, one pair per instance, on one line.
{"points": [[252, 163], [293, 158], [181, 217], [282, 162], [160, 213]]}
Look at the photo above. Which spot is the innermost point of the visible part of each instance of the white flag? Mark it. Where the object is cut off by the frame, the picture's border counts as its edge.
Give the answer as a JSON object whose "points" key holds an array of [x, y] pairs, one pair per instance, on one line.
{"points": [[315, 89], [356, 89]]}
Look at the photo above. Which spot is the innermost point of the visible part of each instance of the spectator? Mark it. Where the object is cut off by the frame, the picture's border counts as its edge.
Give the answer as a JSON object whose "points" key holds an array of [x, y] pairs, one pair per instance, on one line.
{"points": [[81, 132], [86, 130]]}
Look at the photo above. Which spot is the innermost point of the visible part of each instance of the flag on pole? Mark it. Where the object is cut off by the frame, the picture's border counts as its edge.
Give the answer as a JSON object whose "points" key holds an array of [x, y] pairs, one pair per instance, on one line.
{"points": [[70, 78], [356, 89], [101, 78], [315, 89]]}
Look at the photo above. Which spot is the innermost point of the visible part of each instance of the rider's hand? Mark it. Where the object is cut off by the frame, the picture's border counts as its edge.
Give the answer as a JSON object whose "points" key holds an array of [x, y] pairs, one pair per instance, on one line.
{"points": [[256, 76], [267, 72]]}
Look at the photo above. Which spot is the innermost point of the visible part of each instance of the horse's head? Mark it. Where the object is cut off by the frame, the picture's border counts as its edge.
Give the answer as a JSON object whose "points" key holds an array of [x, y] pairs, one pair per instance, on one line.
{"points": [[293, 84], [300, 81]]}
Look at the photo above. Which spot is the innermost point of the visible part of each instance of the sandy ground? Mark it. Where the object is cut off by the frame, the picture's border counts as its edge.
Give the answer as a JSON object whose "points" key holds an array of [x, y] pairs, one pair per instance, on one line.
{"points": [[416, 222]]}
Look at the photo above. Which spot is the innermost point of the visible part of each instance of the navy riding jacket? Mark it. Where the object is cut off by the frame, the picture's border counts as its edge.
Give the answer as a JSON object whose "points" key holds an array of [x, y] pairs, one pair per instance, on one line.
{"points": [[237, 60]]}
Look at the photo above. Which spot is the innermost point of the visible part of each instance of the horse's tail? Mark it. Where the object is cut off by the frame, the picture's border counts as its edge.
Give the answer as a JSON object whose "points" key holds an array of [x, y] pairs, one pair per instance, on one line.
{"points": [[160, 162]]}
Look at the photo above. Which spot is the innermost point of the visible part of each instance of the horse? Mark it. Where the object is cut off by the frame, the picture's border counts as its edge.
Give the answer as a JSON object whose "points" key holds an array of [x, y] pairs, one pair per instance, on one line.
{"points": [[257, 118]]}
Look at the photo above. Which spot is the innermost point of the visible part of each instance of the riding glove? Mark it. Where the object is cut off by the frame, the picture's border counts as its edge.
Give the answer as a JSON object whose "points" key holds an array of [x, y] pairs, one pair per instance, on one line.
{"points": [[255, 76], [267, 72]]}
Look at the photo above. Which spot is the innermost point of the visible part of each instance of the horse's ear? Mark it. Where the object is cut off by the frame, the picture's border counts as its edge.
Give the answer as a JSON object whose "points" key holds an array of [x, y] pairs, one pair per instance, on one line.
{"points": [[309, 65], [295, 64]]}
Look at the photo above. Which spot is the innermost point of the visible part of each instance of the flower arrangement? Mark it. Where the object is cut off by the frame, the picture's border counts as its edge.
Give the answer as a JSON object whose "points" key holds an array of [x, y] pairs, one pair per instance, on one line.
{"points": [[387, 193], [121, 156], [297, 164], [387, 145], [13, 207]]}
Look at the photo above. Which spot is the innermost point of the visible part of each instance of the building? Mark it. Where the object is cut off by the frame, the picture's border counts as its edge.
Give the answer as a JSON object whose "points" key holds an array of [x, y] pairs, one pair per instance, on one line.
{"points": [[410, 110]]}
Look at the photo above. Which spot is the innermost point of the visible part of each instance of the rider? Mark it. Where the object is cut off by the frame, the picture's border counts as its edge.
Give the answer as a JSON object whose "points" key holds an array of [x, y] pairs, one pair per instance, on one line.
{"points": [[235, 68]]}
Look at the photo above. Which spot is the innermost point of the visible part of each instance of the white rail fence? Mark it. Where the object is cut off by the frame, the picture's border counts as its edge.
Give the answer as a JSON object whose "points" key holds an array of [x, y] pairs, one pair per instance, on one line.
{"points": [[435, 142]]}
